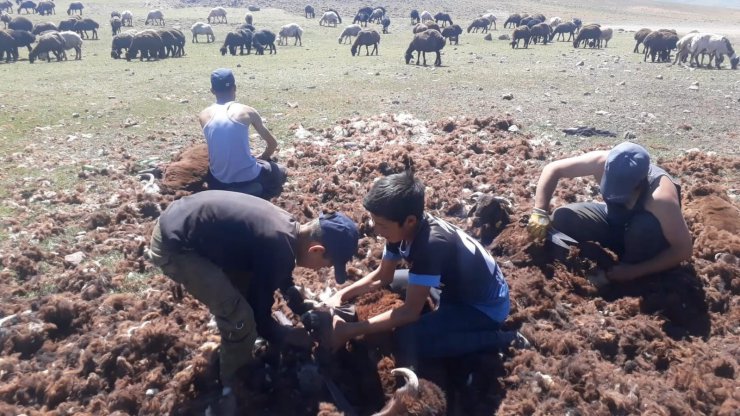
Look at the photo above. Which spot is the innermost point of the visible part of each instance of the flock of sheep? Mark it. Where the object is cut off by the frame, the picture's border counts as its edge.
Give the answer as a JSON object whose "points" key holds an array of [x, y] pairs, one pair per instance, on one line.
{"points": [[430, 34]]}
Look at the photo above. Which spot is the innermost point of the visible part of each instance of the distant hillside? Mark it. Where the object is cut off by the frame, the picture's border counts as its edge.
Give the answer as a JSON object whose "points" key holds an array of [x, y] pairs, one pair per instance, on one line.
{"points": [[731, 4]]}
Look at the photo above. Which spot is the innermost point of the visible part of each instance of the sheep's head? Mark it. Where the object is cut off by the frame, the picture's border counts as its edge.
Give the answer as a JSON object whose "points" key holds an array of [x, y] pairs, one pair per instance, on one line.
{"points": [[409, 56], [734, 60]]}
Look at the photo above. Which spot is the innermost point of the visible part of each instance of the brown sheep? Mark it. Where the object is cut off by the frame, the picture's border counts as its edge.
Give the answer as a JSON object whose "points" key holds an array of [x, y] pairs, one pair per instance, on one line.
{"points": [[479, 23], [149, 43], [639, 37], [417, 397], [588, 33], [562, 29], [520, 33], [366, 38], [540, 31], [429, 40], [452, 32], [660, 43], [50, 42]]}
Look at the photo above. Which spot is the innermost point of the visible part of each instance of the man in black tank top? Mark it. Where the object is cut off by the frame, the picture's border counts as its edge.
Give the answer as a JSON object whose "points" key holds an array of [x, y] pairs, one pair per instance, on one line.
{"points": [[640, 219]]}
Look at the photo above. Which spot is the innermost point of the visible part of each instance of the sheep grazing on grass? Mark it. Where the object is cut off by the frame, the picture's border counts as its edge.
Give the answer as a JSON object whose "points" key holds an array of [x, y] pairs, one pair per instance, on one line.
{"points": [[427, 41], [180, 41], [310, 12], [68, 24], [562, 29], [540, 32], [361, 18], [365, 10], [84, 25], [415, 17], [587, 34], [156, 17], [683, 48], [433, 26], [479, 23], [521, 33], [20, 23], [75, 7], [72, 41], [262, 39], [606, 36], [366, 38], [45, 8], [40, 28], [120, 42], [50, 42], [291, 30], [386, 22], [416, 397], [7, 47], [330, 19], [716, 46], [578, 22], [6, 6], [200, 28], [426, 16], [659, 44], [127, 18], [249, 19], [491, 20], [640, 36], [377, 15], [28, 6], [115, 25], [115, 13], [419, 27], [172, 43], [513, 20], [22, 38], [148, 44], [539, 16], [444, 18], [452, 33], [217, 15], [348, 33]]}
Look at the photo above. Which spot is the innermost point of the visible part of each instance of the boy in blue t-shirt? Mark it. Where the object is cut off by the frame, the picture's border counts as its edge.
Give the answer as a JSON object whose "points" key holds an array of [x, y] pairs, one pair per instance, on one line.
{"points": [[444, 262]]}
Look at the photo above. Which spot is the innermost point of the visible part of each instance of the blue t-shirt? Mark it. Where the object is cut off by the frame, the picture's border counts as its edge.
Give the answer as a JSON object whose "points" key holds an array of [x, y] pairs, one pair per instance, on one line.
{"points": [[444, 256]]}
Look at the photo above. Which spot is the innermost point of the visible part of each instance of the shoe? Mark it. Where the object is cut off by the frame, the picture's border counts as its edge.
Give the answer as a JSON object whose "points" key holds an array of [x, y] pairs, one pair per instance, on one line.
{"points": [[225, 406], [521, 342]]}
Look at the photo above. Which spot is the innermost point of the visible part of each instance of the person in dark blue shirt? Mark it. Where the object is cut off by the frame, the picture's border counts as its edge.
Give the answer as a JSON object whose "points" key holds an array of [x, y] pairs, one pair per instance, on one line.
{"points": [[444, 262]]}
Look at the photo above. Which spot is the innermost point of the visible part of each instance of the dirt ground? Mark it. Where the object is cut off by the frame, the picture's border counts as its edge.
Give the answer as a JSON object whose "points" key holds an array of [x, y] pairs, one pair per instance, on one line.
{"points": [[89, 334]]}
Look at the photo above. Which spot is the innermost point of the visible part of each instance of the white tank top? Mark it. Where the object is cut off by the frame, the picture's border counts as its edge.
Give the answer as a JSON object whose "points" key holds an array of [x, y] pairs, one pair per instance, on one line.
{"points": [[230, 159]]}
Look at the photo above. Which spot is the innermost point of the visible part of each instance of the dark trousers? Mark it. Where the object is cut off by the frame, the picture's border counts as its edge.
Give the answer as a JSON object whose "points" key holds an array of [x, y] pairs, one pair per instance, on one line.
{"points": [[452, 330], [638, 239], [268, 184]]}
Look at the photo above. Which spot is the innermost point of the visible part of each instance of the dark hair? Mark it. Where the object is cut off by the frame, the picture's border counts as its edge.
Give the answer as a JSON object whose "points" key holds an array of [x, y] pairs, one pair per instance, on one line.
{"points": [[396, 196]]}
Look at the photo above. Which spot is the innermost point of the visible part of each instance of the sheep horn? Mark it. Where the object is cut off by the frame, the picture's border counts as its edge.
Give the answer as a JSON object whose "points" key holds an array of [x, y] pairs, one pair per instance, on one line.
{"points": [[412, 381]]}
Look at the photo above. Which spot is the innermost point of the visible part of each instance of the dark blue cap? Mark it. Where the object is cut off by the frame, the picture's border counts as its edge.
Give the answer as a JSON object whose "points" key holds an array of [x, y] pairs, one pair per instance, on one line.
{"points": [[626, 166], [339, 236], [222, 79]]}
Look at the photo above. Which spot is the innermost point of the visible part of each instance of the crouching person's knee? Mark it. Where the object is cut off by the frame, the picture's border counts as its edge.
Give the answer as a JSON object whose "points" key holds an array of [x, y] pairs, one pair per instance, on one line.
{"points": [[238, 334]]}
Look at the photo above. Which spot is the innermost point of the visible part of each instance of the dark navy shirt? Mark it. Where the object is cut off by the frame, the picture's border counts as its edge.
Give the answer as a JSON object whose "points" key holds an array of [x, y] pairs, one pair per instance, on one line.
{"points": [[444, 256]]}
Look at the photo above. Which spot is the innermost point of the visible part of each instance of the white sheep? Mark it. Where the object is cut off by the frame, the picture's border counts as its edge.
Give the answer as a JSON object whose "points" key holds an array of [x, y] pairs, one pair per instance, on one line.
{"points": [[72, 41], [349, 32], [127, 18], [425, 15], [200, 28], [330, 18], [218, 14], [682, 47], [716, 46], [491, 18], [291, 30]]}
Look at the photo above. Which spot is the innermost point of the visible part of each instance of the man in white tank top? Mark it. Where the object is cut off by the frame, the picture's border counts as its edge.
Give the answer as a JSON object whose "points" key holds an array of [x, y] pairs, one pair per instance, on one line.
{"points": [[226, 125]]}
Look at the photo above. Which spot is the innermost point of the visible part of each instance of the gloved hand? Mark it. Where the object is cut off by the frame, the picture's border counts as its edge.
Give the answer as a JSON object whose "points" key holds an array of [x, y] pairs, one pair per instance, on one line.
{"points": [[539, 222]]}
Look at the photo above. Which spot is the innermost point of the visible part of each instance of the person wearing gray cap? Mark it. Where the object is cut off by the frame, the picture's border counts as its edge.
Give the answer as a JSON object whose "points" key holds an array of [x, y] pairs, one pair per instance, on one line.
{"points": [[231, 251], [640, 219], [226, 124]]}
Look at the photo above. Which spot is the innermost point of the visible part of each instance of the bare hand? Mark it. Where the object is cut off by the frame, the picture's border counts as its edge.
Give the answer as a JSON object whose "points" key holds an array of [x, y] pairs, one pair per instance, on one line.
{"points": [[340, 333], [621, 273], [334, 301]]}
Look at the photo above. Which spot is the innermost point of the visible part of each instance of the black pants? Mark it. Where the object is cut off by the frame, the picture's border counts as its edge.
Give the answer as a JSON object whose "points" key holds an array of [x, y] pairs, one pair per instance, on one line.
{"points": [[268, 184], [638, 239]]}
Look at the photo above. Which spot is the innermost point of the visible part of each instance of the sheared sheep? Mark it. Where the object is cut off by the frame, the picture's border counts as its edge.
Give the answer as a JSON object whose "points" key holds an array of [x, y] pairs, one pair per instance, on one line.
{"points": [[660, 43], [540, 31], [115, 25], [562, 29], [386, 22], [50, 42], [330, 18], [84, 25], [264, 38], [217, 15], [120, 42], [452, 32], [415, 17], [586, 34], [513, 20], [127, 18], [427, 41], [366, 38], [491, 19], [291, 30], [200, 28], [520, 33], [479, 23], [349, 32], [156, 17], [75, 7], [148, 43], [640, 36], [426, 16], [416, 397], [45, 8], [40, 28], [27, 5], [444, 18], [310, 12]]}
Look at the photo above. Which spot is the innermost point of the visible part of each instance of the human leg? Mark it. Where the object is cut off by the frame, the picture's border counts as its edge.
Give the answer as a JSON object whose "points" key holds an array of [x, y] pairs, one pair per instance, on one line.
{"points": [[583, 221], [272, 177], [643, 238]]}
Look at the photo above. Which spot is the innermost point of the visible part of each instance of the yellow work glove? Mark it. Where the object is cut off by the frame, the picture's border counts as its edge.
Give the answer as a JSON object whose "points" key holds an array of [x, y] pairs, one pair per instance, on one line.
{"points": [[539, 222]]}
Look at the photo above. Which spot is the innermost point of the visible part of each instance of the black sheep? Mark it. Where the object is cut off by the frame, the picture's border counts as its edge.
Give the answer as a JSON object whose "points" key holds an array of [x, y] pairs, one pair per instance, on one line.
{"points": [[20, 23], [415, 17], [22, 38], [49, 43], [588, 33], [520, 33], [262, 39], [640, 36], [115, 25], [444, 18], [149, 43], [562, 29], [452, 33], [479, 23], [427, 41], [385, 22], [44, 27], [6, 6], [82, 26], [8, 47], [310, 12], [660, 43], [27, 5], [540, 32], [75, 7], [239, 38], [46, 8], [366, 38], [513, 20], [362, 19], [120, 41]]}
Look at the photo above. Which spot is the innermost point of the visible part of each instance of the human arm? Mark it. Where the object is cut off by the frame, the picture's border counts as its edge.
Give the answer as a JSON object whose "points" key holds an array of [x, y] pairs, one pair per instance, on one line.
{"points": [[664, 205], [588, 164], [259, 126], [380, 277]]}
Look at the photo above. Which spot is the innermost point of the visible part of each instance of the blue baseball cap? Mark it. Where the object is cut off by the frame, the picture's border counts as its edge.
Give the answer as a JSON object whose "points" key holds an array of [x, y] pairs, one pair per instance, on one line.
{"points": [[222, 79], [626, 166], [339, 235]]}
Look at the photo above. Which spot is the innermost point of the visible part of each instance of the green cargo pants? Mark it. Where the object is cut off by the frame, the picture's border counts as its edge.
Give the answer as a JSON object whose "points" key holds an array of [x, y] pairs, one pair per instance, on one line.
{"points": [[210, 285]]}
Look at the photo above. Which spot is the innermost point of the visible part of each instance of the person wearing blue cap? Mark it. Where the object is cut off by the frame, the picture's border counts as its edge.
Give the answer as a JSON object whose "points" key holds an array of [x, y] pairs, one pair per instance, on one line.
{"points": [[466, 283], [231, 251], [640, 219], [226, 126]]}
